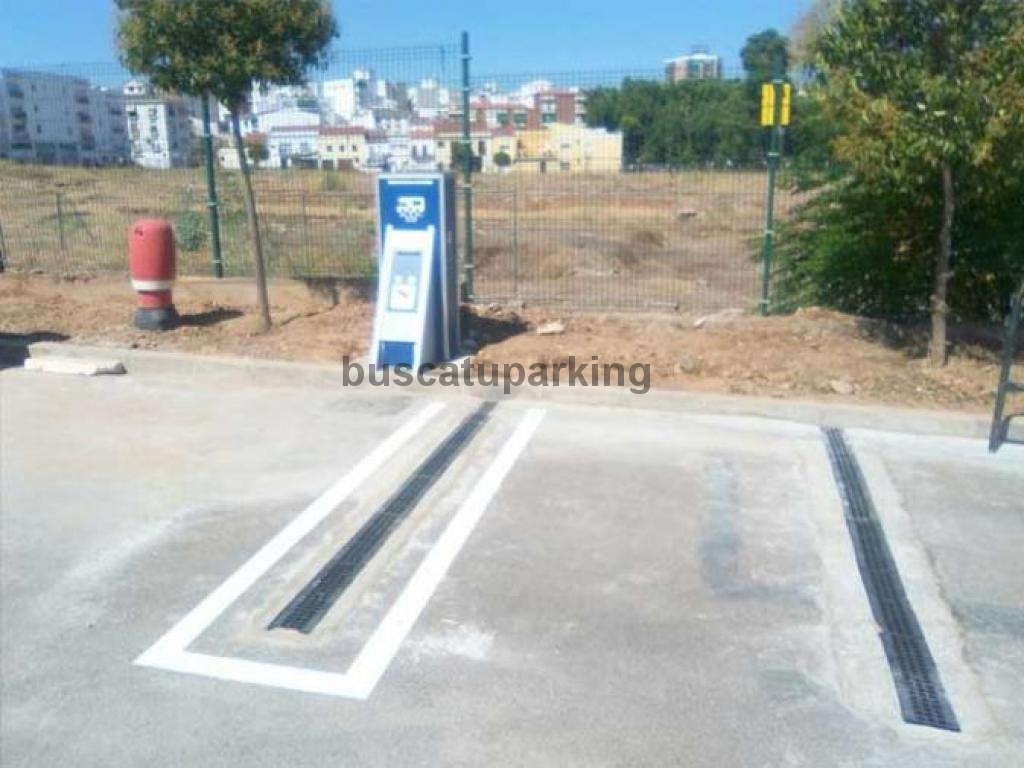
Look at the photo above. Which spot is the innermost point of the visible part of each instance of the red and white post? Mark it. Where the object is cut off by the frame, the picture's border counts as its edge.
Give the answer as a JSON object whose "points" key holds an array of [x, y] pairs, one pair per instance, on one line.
{"points": [[152, 263]]}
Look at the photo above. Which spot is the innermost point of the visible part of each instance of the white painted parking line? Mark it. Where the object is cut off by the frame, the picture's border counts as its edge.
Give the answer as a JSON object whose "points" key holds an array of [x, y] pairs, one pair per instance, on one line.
{"points": [[376, 655], [373, 660], [204, 614]]}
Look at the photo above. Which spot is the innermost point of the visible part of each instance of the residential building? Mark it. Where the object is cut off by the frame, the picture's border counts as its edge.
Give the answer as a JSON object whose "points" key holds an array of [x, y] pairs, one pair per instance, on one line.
{"points": [[429, 100], [485, 141], [339, 99], [343, 147], [561, 107], [699, 65], [291, 117], [271, 98], [568, 149], [159, 127], [111, 127], [423, 149], [370, 92], [545, 107], [47, 118], [293, 146]]}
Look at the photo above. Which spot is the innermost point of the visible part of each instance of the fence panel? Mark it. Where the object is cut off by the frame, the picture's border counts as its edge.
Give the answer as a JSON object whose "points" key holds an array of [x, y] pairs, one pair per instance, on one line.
{"points": [[573, 204]]}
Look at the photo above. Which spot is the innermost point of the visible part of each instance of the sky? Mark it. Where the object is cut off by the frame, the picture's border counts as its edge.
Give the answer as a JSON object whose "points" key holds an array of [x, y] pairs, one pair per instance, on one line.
{"points": [[510, 36]]}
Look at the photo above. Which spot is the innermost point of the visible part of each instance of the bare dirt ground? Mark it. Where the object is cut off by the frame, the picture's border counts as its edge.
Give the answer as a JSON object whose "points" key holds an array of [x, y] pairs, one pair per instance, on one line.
{"points": [[814, 354]]}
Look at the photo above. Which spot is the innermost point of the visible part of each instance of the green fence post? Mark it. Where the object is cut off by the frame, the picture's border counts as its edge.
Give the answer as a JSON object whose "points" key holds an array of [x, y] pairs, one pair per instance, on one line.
{"points": [[515, 243], [467, 173], [769, 227], [60, 226], [305, 237], [211, 191], [3, 250], [1000, 425]]}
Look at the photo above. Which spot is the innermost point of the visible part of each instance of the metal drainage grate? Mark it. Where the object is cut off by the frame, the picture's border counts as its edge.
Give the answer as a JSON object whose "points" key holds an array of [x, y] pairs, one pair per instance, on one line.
{"points": [[922, 698], [308, 607]]}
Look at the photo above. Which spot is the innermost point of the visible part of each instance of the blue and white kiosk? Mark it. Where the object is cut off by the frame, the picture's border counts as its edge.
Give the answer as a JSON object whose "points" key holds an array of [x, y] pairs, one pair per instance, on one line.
{"points": [[417, 321]]}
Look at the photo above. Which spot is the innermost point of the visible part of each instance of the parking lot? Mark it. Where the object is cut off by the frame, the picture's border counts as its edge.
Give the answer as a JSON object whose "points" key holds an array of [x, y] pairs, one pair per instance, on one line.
{"points": [[541, 581]]}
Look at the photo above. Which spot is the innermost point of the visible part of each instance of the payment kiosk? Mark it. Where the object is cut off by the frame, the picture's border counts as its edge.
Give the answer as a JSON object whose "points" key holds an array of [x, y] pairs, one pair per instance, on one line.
{"points": [[417, 320]]}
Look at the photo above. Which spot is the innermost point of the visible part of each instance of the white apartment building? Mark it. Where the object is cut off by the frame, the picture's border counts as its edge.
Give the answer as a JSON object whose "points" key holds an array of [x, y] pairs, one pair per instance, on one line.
{"points": [[293, 145], [271, 98], [429, 100], [159, 128], [57, 119], [267, 122], [699, 65], [109, 110], [339, 99]]}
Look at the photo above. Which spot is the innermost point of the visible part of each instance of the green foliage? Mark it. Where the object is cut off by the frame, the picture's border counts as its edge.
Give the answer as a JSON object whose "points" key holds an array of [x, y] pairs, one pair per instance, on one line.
{"points": [[904, 89], [459, 152], [190, 231], [765, 56], [502, 159], [862, 248], [693, 121], [256, 149], [220, 47]]}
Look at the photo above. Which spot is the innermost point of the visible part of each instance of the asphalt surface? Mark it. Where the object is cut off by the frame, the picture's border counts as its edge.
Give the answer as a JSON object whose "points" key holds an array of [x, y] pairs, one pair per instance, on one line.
{"points": [[627, 584]]}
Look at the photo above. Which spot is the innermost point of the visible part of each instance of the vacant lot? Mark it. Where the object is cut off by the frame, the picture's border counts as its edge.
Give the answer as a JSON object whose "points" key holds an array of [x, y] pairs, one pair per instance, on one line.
{"points": [[813, 354], [662, 240]]}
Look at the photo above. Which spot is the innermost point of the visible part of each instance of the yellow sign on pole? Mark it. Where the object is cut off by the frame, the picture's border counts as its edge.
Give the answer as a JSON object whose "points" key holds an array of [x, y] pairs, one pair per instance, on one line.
{"points": [[768, 104]]}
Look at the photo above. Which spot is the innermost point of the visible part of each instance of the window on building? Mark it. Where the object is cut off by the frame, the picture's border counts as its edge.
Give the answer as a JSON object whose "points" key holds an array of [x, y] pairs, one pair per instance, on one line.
{"points": [[353, 147], [330, 148], [547, 118], [519, 119]]}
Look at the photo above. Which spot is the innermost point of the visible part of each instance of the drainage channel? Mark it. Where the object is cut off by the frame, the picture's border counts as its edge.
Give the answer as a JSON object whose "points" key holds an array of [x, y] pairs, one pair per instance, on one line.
{"points": [[921, 695], [313, 601]]}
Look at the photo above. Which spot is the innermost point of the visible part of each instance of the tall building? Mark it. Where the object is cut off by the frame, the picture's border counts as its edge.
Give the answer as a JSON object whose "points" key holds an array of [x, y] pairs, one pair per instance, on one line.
{"points": [[109, 111], [699, 65], [339, 99], [429, 100], [59, 119], [159, 127]]}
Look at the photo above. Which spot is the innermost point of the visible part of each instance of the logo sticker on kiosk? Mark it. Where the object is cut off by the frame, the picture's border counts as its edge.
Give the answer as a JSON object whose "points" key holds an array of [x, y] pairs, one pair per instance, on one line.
{"points": [[417, 318]]}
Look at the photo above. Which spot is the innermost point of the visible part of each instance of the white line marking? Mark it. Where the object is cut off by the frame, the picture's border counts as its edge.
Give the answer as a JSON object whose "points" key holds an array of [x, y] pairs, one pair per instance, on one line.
{"points": [[203, 615], [375, 657]]}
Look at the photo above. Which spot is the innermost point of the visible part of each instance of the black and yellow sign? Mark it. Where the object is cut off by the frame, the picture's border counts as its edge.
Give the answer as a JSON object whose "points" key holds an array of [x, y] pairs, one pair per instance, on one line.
{"points": [[768, 104]]}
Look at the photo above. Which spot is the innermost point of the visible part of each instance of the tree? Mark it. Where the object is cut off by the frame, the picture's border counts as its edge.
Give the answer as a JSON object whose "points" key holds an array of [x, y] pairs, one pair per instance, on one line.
{"points": [[765, 56], [256, 149], [693, 121], [459, 151], [502, 159], [809, 27], [926, 95], [220, 48]]}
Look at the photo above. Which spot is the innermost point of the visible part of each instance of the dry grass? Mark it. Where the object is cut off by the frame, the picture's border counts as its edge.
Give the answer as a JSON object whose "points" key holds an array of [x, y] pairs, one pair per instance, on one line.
{"points": [[683, 239]]}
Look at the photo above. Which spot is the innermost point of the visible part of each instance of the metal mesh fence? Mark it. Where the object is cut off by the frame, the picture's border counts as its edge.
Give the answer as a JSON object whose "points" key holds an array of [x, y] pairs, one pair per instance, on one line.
{"points": [[578, 199]]}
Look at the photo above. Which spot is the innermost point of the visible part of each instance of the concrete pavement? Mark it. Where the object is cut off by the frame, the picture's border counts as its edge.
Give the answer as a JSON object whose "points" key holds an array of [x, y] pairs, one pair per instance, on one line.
{"points": [[643, 585]]}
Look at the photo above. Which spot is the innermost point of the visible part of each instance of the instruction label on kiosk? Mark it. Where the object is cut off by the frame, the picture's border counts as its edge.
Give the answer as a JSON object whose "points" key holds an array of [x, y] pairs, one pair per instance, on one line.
{"points": [[417, 318]]}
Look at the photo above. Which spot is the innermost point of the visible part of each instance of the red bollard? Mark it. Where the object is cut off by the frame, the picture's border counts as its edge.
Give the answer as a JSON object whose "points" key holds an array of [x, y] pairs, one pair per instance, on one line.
{"points": [[151, 262]]}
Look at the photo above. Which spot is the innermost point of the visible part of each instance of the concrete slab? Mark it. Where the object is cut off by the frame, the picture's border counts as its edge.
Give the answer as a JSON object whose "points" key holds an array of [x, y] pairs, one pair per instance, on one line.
{"points": [[646, 586]]}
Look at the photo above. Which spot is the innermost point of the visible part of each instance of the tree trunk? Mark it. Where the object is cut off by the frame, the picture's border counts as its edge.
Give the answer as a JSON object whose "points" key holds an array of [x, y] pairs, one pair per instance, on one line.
{"points": [[940, 307], [254, 226]]}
